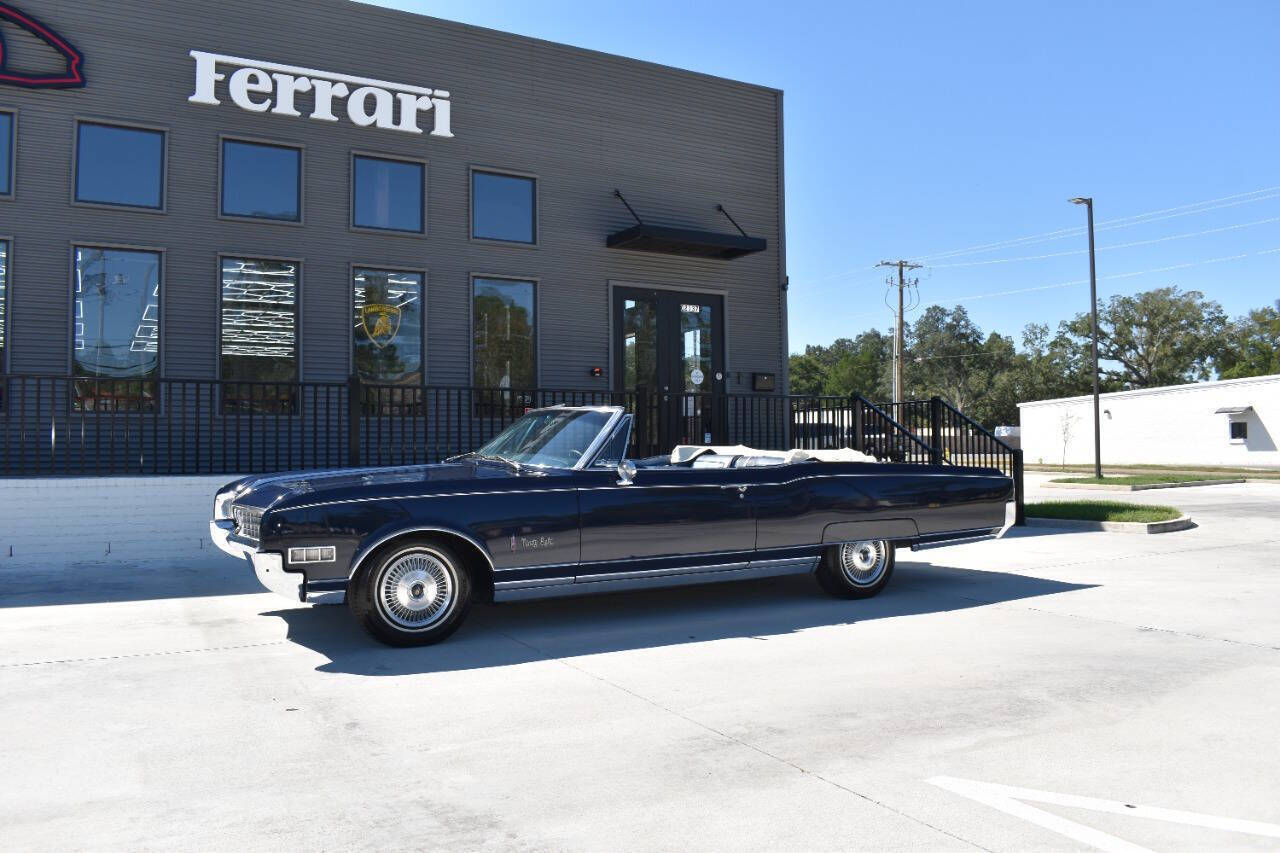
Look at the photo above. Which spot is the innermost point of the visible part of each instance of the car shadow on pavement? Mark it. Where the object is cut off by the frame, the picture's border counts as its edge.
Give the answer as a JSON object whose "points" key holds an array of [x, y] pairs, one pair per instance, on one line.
{"points": [[507, 634]]}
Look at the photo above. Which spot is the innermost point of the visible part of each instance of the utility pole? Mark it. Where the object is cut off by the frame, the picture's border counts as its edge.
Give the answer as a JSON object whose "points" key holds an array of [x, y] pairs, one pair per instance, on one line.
{"points": [[899, 388]]}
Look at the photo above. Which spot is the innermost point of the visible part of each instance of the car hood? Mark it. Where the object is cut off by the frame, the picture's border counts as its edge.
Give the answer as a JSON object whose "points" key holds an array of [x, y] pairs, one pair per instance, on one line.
{"points": [[266, 491]]}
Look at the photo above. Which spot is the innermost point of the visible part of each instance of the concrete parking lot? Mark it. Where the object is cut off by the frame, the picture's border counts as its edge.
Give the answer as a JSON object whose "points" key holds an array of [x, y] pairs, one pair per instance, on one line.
{"points": [[161, 706]]}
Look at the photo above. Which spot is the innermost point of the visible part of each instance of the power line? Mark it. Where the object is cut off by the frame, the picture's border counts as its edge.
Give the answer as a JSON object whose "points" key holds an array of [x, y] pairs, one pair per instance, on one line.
{"points": [[1262, 194], [1079, 281], [1129, 245]]}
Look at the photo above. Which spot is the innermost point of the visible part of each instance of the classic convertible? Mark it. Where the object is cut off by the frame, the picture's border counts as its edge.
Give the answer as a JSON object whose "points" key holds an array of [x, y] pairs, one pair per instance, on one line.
{"points": [[553, 507]]}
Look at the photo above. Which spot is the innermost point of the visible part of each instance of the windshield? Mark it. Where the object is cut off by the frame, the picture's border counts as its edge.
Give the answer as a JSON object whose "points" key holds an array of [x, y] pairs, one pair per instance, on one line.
{"points": [[552, 438]]}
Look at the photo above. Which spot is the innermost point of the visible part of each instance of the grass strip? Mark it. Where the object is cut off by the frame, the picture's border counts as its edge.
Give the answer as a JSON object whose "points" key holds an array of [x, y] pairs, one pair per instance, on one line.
{"points": [[1199, 470], [1102, 511], [1139, 479]]}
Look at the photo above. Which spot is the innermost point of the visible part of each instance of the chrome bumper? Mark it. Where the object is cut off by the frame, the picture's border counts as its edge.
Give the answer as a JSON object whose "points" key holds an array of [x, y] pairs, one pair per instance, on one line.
{"points": [[1010, 516], [267, 567], [220, 530]]}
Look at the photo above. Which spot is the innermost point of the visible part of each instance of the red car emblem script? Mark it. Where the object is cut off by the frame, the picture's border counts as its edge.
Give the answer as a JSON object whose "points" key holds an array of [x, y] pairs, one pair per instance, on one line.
{"points": [[70, 78]]}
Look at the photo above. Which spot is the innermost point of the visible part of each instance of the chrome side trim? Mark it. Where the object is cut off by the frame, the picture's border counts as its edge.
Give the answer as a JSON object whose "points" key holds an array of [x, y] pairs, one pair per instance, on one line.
{"points": [[365, 552], [537, 566], [327, 596], [535, 582], [623, 560], [624, 584], [801, 564], [943, 543], [671, 570]]}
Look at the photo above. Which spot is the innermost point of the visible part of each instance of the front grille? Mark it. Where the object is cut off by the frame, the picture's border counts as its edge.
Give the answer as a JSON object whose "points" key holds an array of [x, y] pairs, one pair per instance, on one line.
{"points": [[248, 521]]}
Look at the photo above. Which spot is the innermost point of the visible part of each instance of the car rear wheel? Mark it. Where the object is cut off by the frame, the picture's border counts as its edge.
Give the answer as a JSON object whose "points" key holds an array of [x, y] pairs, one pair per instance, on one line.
{"points": [[412, 593], [856, 569]]}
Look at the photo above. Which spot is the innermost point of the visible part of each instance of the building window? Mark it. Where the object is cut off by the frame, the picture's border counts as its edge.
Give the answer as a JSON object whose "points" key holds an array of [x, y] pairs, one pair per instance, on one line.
{"points": [[116, 346], [119, 165], [261, 181], [1239, 430], [259, 342], [388, 194], [503, 207], [6, 154], [388, 326], [503, 334]]}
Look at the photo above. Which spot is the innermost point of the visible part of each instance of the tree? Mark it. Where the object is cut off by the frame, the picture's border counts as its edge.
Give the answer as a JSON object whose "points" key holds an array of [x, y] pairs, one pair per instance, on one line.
{"points": [[944, 355], [848, 366], [1252, 346], [863, 367], [808, 375], [1160, 337]]}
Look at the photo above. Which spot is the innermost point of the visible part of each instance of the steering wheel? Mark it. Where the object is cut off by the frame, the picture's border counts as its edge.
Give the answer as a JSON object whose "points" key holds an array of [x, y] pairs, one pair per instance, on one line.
{"points": [[575, 455]]}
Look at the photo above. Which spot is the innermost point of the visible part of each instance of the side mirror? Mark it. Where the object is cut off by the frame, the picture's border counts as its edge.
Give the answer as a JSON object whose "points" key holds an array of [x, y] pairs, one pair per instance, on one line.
{"points": [[626, 472]]}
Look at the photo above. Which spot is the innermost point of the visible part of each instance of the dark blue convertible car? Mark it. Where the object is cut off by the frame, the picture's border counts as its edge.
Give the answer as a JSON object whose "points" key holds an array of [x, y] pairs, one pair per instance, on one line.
{"points": [[553, 507]]}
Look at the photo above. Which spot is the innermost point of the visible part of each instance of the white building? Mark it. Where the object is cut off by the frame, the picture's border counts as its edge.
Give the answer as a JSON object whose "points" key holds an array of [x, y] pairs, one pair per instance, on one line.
{"points": [[1228, 422]]}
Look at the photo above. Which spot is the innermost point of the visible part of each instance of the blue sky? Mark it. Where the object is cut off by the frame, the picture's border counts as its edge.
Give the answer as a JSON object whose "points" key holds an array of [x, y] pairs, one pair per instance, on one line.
{"points": [[917, 129]]}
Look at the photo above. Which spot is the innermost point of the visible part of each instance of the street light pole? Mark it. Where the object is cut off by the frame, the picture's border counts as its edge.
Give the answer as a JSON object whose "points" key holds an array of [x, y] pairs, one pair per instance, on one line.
{"points": [[1093, 310]]}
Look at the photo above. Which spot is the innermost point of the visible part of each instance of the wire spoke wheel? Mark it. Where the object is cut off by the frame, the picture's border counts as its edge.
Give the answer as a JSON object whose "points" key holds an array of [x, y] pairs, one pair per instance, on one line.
{"points": [[863, 563], [416, 589]]}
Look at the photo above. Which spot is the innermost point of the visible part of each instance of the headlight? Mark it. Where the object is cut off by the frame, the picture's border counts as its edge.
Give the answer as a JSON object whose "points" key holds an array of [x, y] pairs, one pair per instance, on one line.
{"points": [[222, 504]]}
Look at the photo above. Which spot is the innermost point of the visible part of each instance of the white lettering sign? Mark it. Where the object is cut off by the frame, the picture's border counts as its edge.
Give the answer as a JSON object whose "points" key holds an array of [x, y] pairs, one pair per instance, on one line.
{"points": [[261, 87]]}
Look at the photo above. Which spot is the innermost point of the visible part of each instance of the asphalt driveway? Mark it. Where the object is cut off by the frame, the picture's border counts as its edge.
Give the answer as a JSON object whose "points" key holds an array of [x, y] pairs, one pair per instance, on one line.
{"points": [[1050, 691]]}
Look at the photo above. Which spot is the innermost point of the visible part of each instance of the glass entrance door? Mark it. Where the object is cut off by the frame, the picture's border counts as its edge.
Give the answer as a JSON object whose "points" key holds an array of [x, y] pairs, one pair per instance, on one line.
{"points": [[671, 345]]}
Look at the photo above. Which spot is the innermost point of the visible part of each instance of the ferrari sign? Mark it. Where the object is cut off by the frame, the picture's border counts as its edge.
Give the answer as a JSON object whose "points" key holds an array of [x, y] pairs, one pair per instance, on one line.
{"points": [[269, 87], [380, 323]]}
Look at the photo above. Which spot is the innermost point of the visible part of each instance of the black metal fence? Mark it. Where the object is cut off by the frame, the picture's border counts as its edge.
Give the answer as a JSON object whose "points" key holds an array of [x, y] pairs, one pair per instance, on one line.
{"points": [[956, 439], [62, 425]]}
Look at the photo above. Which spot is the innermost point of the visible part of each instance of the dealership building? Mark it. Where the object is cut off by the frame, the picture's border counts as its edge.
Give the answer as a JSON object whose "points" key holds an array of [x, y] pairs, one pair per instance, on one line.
{"points": [[306, 191]]}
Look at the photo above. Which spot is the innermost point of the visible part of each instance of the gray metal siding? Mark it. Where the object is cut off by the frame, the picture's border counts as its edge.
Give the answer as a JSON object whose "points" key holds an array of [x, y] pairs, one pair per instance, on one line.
{"points": [[676, 143]]}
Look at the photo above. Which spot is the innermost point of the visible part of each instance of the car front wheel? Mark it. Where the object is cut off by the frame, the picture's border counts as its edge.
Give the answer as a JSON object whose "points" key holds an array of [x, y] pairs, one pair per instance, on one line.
{"points": [[856, 569], [412, 594]]}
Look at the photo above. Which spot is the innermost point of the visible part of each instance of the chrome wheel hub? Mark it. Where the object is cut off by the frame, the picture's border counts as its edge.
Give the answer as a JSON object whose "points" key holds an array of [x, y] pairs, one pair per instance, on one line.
{"points": [[863, 563], [416, 590]]}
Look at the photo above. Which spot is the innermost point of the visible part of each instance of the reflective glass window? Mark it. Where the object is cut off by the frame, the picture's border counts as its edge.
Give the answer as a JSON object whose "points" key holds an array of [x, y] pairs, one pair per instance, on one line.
{"points": [[117, 328], [119, 165], [387, 334], [388, 194], [261, 181], [259, 343], [503, 207], [503, 334]]}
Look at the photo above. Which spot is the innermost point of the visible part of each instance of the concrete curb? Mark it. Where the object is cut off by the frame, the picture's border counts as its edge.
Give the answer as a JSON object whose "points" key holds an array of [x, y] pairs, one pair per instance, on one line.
{"points": [[1142, 488], [1183, 522]]}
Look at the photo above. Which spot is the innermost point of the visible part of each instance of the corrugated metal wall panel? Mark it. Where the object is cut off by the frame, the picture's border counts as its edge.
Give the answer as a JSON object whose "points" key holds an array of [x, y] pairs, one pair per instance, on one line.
{"points": [[676, 143]]}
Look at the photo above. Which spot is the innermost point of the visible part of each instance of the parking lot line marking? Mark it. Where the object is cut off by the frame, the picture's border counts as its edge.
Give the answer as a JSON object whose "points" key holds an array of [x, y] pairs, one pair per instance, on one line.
{"points": [[129, 655], [1009, 799]]}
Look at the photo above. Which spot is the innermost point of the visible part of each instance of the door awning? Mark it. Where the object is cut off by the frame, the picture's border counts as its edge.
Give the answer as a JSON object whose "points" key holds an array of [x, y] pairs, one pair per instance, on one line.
{"points": [[689, 242], [1233, 410], [685, 241]]}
